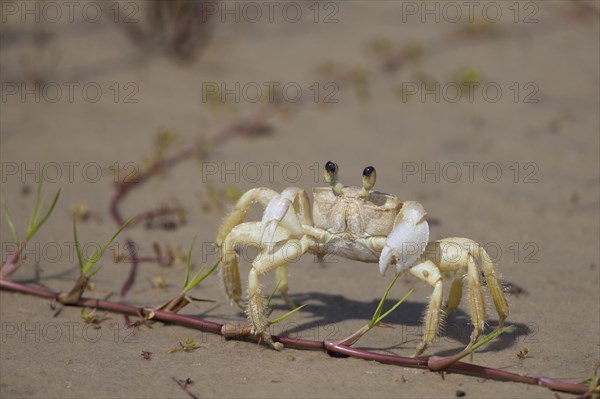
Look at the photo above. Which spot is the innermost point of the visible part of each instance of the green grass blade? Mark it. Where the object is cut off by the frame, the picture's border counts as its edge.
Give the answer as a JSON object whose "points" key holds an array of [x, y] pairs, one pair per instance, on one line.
{"points": [[186, 276], [98, 253], [285, 316], [190, 284], [127, 222], [93, 273], [39, 208], [92, 259], [197, 279], [394, 307], [273, 293], [488, 338], [9, 221], [77, 244], [381, 302], [46, 216], [36, 204]]}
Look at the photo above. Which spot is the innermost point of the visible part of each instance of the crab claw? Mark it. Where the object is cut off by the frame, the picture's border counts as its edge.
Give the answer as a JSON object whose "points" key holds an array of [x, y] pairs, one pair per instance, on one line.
{"points": [[274, 214], [407, 241]]}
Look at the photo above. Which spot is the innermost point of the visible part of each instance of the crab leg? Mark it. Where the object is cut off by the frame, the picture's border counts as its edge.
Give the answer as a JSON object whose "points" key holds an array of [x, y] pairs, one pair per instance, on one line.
{"points": [[455, 254], [476, 300], [264, 263], [243, 234], [455, 294], [493, 284], [429, 273], [262, 195]]}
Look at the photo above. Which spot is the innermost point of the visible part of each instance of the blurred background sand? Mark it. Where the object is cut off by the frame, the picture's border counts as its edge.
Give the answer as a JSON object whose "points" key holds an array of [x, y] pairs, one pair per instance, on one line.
{"points": [[100, 91]]}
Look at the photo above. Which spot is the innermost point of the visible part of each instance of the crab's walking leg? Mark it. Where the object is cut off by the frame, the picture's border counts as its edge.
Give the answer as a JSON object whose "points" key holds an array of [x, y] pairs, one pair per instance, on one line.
{"points": [[264, 263], [476, 300], [236, 216], [230, 273], [493, 284], [455, 294], [245, 234], [457, 253], [242, 234], [429, 272]]}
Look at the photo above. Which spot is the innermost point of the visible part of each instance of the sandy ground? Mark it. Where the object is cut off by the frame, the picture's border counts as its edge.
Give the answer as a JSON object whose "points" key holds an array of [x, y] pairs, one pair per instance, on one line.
{"points": [[517, 171]]}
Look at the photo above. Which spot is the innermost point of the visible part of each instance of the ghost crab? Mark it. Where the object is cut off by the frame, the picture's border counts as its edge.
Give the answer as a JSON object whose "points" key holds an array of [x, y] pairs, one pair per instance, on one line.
{"points": [[355, 223]]}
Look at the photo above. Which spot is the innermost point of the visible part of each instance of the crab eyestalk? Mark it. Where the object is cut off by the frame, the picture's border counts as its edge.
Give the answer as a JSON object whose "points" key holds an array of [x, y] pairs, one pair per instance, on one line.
{"points": [[331, 177], [368, 181]]}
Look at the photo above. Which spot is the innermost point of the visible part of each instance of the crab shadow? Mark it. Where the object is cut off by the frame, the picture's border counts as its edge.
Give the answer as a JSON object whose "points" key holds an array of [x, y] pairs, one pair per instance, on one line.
{"points": [[325, 310]]}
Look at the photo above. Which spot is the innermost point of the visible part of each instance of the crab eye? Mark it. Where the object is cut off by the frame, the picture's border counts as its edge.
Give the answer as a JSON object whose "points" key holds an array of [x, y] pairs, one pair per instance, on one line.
{"points": [[331, 167], [368, 171], [330, 173], [368, 180]]}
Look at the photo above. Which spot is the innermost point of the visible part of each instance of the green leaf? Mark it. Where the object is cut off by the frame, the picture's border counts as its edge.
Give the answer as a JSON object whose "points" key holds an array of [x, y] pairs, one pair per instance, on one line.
{"points": [[488, 338], [394, 307], [9, 221], [272, 293], [197, 279], [36, 204], [77, 245], [285, 316], [41, 206], [382, 301], [98, 253], [187, 265], [93, 273], [46, 216]]}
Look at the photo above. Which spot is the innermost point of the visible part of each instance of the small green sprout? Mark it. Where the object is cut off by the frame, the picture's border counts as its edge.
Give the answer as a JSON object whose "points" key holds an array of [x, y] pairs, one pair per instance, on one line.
{"points": [[9, 221], [198, 277], [87, 269], [35, 223], [377, 316], [182, 299]]}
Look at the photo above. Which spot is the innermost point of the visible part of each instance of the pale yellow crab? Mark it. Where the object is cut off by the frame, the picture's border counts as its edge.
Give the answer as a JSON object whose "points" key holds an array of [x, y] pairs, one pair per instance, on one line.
{"points": [[355, 223]]}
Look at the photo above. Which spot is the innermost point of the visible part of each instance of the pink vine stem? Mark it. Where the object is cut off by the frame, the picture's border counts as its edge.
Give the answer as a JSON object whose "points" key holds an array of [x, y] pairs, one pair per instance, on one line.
{"points": [[329, 346]]}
